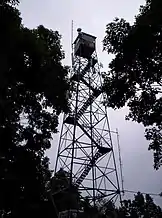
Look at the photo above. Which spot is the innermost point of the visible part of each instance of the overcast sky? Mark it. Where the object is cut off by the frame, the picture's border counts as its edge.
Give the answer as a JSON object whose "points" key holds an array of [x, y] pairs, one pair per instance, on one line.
{"points": [[92, 16]]}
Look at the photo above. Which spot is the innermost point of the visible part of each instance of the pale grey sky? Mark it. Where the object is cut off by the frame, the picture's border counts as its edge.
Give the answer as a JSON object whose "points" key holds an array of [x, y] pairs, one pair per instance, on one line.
{"points": [[92, 16]]}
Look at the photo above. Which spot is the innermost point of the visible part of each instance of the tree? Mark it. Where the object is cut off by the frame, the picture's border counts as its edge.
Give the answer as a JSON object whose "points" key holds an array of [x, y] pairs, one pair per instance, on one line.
{"points": [[141, 206], [66, 196], [33, 92], [135, 77]]}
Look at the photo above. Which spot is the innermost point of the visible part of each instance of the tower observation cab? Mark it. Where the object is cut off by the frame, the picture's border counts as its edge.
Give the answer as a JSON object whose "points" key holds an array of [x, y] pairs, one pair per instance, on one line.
{"points": [[84, 45]]}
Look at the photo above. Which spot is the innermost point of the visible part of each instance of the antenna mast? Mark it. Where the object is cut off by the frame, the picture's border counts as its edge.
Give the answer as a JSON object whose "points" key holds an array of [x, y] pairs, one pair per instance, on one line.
{"points": [[120, 163], [72, 36]]}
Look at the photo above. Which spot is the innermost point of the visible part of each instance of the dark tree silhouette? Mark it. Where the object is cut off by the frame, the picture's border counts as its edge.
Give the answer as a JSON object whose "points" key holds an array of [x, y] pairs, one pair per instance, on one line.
{"points": [[33, 92], [65, 197], [140, 207], [135, 77]]}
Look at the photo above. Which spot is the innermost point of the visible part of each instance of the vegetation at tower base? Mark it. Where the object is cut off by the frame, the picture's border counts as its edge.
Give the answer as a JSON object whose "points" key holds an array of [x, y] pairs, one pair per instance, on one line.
{"points": [[135, 75], [65, 198], [33, 85], [141, 206]]}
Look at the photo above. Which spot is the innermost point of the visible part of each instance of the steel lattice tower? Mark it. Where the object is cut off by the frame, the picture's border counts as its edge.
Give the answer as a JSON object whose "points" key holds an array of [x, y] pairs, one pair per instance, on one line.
{"points": [[85, 147]]}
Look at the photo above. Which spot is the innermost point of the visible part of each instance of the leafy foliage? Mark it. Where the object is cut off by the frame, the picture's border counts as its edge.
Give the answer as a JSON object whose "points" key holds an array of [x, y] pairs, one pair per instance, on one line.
{"points": [[141, 206], [12, 2], [33, 86], [65, 197], [135, 77]]}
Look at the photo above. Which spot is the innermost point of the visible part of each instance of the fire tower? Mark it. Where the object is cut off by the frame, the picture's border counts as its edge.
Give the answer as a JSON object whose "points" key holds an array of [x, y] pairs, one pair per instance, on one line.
{"points": [[85, 148]]}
